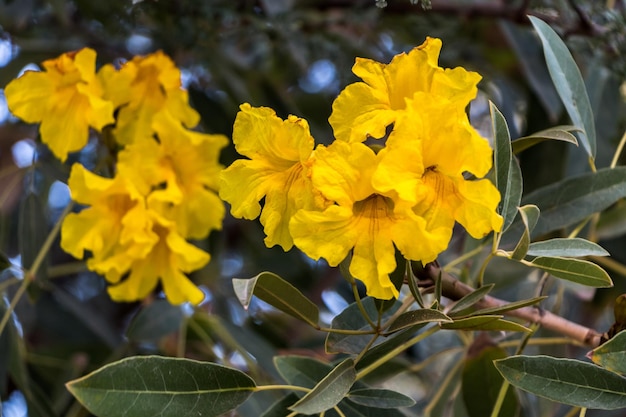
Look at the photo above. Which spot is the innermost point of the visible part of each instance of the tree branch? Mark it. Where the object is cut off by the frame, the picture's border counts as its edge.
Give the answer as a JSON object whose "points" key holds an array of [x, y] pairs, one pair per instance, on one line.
{"points": [[454, 289]]}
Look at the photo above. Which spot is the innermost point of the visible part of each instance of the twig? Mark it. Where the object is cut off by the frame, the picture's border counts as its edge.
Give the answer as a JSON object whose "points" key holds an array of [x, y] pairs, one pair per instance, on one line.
{"points": [[454, 289]]}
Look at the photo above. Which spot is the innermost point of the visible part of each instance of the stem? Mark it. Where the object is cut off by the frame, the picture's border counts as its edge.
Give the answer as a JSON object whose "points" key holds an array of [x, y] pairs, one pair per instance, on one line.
{"points": [[280, 387], [347, 331], [483, 268], [610, 263], [14, 301], [447, 267], [359, 304], [455, 290], [500, 400], [618, 151], [395, 352], [9, 281], [583, 412], [341, 414]]}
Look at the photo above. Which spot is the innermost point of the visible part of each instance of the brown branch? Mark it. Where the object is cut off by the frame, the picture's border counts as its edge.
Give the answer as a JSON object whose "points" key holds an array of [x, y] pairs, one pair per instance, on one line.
{"points": [[454, 289]]}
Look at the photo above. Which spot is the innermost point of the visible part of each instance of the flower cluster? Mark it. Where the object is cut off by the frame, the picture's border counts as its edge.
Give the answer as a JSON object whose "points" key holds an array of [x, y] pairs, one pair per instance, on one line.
{"points": [[405, 192], [164, 191]]}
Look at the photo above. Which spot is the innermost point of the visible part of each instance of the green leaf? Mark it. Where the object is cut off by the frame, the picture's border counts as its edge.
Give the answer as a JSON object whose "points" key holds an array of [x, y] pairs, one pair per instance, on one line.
{"points": [[510, 306], [490, 322], [413, 287], [470, 299], [481, 384], [281, 407], [561, 133], [278, 293], [380, 398], [508, 174], [574, 199], [154, 385], [529, 215], [387, 346], [351, 318], [155, 321], [470, 323], [566, 247], [329, 391], [568, 82], [566, 381], [413, 317], [575, 270], [612, 354], [301, 371]]}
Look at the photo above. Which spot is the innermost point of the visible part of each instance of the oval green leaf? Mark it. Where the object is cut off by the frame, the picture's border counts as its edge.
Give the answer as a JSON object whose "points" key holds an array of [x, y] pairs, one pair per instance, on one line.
{"points": [[470, 323], [301, 371], [575, 270], [470, 299], [154, 385], [529, 215], [566, 247], [510, 306], [565, 381], [573, 199], [568, 82], [329, 391], [481, 383], [612, 354], [508, 174], [561, 133], [351, 318], [413, 317], [278, 293], [380, 398]]}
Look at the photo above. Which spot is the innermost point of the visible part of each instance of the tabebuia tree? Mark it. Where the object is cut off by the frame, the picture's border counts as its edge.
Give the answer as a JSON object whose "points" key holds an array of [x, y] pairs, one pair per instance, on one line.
{"points": [[200, 232]]}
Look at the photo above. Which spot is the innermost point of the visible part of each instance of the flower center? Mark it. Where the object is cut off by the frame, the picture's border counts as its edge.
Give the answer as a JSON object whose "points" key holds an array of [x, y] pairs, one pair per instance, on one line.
{"points": [[374, 207]]}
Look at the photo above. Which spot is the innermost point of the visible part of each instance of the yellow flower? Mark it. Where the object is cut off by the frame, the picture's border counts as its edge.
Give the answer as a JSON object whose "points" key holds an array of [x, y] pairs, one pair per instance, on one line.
{"points": [[278, 169], [168, 261], [131, 245], [180, 172], [367, 108], [143, 87], [66, 98], [449, 149], [363, 219], [115, 227]]}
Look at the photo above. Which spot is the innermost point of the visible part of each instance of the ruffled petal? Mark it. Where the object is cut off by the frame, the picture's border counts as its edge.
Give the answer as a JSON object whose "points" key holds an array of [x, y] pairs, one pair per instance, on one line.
{"points": [[259, 134], [328, 234], [477, 211]]}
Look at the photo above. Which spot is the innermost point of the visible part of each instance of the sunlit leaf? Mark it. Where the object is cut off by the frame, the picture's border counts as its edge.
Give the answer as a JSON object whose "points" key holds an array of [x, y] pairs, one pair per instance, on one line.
{"points": [[380, 398], [566, 247], [568, 82], [566, 381], [278, 293], [561, 133], [158, 319], [508, 175], [420, 316], [481, 384], [329, 391], [470, 299], [575, 270], [153, 385], [612, 354]]}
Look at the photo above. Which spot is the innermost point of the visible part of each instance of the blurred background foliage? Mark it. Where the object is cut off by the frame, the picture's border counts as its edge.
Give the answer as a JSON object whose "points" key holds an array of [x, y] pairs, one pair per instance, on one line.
{"points": [[294, 56]]}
